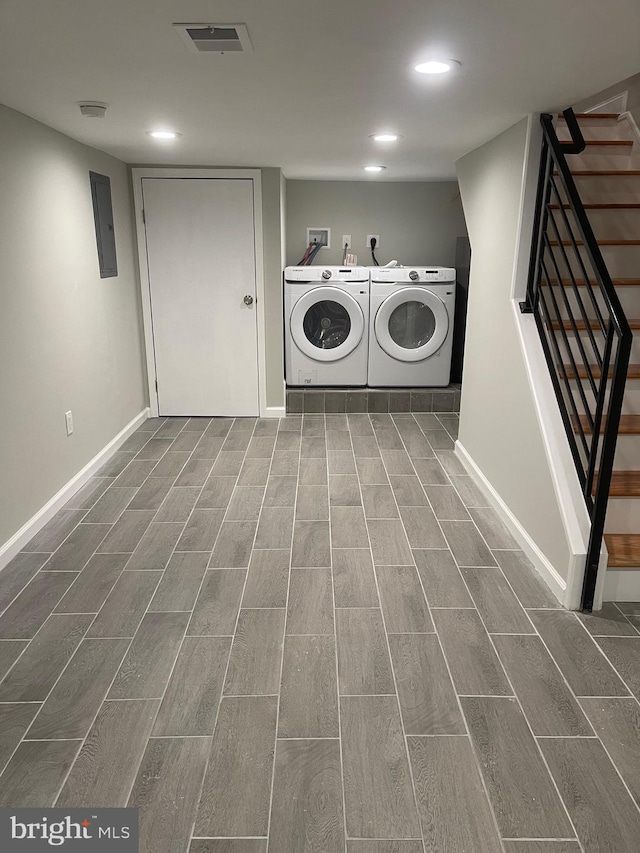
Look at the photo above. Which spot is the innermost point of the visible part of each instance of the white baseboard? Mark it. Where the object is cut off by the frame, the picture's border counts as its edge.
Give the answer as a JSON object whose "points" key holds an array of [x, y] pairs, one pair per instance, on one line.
{"points": [[10, 548], [275, 412], [544, 568], [621, 586]]}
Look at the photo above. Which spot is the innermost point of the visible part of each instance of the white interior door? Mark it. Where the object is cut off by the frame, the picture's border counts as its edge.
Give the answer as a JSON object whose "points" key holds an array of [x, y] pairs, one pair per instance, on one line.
{"points": [[200, 245]]}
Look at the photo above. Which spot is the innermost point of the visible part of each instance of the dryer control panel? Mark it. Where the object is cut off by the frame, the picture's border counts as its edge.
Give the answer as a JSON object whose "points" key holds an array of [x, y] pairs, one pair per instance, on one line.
{"points": [[416, 275]]}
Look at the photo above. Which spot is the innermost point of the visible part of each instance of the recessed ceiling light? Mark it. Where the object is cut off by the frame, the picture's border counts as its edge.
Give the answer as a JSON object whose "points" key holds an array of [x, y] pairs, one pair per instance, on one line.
{"points": [[385, 137], [164, 134], [374, 168], [433, 66]]}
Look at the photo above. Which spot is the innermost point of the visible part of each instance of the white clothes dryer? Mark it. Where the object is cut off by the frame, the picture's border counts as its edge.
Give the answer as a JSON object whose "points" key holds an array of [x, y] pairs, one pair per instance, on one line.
{"points": [[326, 325], [411, 326]]}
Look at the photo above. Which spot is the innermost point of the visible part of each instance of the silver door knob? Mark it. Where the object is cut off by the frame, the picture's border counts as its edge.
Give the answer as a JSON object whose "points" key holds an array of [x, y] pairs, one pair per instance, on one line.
{"points": [[413, 275], [248, 300]]}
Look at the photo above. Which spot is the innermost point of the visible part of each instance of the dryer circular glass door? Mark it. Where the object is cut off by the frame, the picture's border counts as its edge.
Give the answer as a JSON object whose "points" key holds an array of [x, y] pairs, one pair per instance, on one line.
{"points": [[326, 323], [411, 324]]}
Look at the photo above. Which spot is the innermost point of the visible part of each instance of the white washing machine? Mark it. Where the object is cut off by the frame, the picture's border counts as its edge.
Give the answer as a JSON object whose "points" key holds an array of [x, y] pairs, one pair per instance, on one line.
{"points": [[326, 325], [411, 326]]}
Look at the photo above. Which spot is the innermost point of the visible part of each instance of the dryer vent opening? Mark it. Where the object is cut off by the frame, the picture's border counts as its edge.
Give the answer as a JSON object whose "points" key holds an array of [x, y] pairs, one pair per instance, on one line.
{"points": [[215, 38]]}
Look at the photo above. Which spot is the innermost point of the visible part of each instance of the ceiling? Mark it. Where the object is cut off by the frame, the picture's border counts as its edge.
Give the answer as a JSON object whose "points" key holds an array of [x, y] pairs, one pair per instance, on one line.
{"points": [[323, 76]]}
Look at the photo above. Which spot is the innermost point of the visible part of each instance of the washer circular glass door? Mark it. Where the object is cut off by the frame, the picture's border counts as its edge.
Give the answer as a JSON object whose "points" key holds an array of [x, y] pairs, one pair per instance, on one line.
{"points": [[326, 323], [411, 324]]}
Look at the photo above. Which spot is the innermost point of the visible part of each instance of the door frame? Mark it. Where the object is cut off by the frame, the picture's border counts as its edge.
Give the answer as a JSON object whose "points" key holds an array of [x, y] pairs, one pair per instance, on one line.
{"points": [[255, 176]]}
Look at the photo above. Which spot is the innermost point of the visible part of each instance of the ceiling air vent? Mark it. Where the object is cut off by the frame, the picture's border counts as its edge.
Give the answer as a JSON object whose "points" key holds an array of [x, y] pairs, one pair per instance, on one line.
{"points": [[215, 38]]}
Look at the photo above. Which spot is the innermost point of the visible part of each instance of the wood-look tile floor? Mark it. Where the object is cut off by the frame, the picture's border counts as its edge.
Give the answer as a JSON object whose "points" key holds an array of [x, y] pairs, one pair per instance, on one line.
{"points": [[312, 636]]}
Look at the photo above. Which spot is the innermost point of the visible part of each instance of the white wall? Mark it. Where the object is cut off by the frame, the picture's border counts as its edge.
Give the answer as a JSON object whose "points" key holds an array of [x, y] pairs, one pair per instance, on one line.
{"points": [[631, 85], [68, 340], [418, 222], [499, 425]]}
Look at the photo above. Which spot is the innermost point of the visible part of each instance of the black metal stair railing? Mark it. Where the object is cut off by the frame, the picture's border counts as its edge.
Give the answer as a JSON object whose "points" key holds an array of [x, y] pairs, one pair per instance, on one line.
{"points": [[584, 333]]}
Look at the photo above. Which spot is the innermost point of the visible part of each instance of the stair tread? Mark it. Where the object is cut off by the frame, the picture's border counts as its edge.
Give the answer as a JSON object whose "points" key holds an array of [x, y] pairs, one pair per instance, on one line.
{"points": [[624, 550], [593, 324], [625, 484], [600, 243], [629, 424], [632, 373], [593, 115], [617, 282], [598, 206]]}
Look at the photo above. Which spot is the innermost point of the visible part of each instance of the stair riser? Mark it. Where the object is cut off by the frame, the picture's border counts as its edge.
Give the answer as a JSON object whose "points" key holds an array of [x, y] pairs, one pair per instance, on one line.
{"points": [[588, 348], [606, 224], [609, 157], [607, 189], [627, 453], [597, 129], [623, 515], [629, 300]]}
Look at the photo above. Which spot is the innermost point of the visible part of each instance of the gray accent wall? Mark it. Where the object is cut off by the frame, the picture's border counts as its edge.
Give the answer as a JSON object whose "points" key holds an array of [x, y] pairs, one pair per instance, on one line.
{"points": [[68, 339], [418, 222]]}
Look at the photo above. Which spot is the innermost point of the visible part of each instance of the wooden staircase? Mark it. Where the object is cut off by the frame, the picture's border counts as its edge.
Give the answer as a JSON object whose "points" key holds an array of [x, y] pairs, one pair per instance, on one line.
{"points": [[607, 174]]}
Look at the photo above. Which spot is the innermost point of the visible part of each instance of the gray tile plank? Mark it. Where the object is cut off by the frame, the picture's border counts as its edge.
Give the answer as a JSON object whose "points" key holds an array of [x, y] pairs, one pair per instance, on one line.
{"points": [[126, 605], [233, 545], [446, 503], [492, 529], [602, 811], [617, 724], [389, 543], [403, 603], [201, 530], [267, 579], [177, 505], [91, 587], [38, 669], [275, 528], [195, 473], [93, 490], [53, 534], [151, 494], [378, 794], [338, 440], [285, 463], [344, 489], [384, 847], [453, 807], [348, 528], [441, 579], [313, 447], [127, 532], [216, 609], [170, 465], [10, 651], [231, 845], [397, 462], [310, 607], [15, 719], [236, 789], [186, 441], [608, 622], [307, 803], [74, 701], [341, 462], [430, 472], [156, 547], [166, 792], [577, 655], [474, 666], [17, 574], [190, 704], [468, 547], [155, 448], [117, 463], [74, 553], [106, 767], [353, 578], [311, 546], [246, 503], [365, 446], [546, 700], [423, 530], [180, 582], [145, 671], [216, 493], [525, 581], [500, 610], [541, 847], [281, 491], [624, 654], [261, 447], [450, 462], [363, 658], [134, 474], [379, 502], [27, 613], [254, 665], [408, 491], [428, 702], [287, 441], [33, 777], [468, 491], [524, 801], [371, 472], [227, 464], [309, 692], [209, 448], [312, 503]]}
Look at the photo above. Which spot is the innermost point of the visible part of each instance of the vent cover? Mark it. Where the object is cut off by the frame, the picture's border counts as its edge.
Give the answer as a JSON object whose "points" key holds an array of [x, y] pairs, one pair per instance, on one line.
{"points": [[215, 38]]}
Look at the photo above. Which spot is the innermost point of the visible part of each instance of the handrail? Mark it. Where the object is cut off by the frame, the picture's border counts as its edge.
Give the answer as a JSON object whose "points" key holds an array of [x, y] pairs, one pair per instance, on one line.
{"points": [[568, 285]]}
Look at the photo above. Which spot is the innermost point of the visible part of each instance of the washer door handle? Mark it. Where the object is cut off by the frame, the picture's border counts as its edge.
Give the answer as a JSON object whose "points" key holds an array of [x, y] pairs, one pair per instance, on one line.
{"points": [[248, 300]]}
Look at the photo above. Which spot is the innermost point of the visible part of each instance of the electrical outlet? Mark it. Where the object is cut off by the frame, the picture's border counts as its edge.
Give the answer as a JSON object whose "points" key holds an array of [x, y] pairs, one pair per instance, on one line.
{"points": [[376, 237], [346, 241], [68, 418]]}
